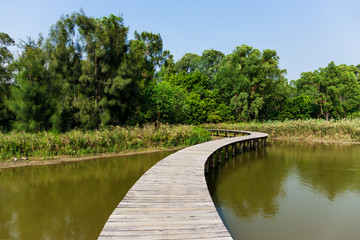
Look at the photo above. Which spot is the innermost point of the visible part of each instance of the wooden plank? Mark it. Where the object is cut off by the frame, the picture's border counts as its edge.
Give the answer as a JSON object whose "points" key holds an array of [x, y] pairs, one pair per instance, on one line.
{"points": [[171, 200]]}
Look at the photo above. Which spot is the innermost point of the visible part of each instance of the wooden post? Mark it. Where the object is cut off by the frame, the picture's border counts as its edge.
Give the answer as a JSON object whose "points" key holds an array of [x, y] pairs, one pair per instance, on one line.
{"points": [[234, 149], [256, 141], [226, 152], [241, 147], [219, 156], [265, 142], [212, 161], [248, 143], [207, 166]]}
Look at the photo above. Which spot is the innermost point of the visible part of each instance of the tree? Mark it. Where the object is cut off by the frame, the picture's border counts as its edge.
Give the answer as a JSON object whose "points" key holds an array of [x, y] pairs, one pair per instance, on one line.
{"points": [[5, 57], [192, 82], [252, 83], [335, 90], [209, 64], [5, 77], [165, 103], [65, 69], [207, 107], [154, 54], [300, 107], [31, 96], [102, 80], [188, 63]]}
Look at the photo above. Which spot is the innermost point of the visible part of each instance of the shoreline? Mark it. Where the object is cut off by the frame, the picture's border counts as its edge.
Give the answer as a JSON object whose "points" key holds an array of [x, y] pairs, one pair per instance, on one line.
{"points": [[312, 140], [41, 161]]}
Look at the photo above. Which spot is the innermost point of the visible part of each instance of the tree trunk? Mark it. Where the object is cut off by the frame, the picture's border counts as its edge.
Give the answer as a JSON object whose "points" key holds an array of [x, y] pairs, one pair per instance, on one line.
{"points": [[96, 83]]}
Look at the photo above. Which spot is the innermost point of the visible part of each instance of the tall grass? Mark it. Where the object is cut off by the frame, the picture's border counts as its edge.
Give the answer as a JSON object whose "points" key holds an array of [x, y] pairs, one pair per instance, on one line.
{"points": [[110, 140], [314, 129]]}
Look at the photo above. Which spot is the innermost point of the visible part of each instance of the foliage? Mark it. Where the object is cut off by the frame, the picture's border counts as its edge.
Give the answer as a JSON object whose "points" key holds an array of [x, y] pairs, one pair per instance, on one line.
{"points": [[5, 56], [207, 108], [31, 95], [86, 74], [300, 107], [112, 139], [165, 103], [209, 65], [5, 77], [252, 83], [334, 89], [192, 82], [310, 129], [188, 63]]}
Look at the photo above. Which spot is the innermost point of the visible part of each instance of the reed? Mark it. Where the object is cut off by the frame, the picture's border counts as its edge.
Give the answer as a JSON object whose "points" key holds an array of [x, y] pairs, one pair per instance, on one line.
{"points": [[313, 129], [109, 140]]}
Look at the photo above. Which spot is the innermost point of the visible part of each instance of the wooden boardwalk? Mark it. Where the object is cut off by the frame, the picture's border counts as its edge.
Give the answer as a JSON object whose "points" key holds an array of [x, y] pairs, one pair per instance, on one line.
{"points": [[171, 200]]}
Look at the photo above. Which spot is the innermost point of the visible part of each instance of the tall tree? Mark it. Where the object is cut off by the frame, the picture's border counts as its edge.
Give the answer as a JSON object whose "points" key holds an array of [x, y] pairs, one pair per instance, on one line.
{"points": [[209, 64], [104, 43], [192, 82], [154, 54], [145, 57], [5, 77], [334, 89], [252, 83], [188, 63], [31, 95], [165, 103], [65, 68]]}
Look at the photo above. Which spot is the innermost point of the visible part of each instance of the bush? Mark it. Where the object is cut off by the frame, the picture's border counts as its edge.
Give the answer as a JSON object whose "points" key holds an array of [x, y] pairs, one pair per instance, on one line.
{"points": [[340, 130], [112, 139]]}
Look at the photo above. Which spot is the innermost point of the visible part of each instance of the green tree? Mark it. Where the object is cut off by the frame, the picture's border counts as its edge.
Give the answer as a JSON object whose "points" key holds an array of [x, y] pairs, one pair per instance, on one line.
{"points": [[207, 107], [192, 82], [30, 97], [165, 103], [209, 64], [5, 76], [65, 69], [251, 83], [154, 55], [300, 107], [334, 89], [102, 80], [188, 63]]}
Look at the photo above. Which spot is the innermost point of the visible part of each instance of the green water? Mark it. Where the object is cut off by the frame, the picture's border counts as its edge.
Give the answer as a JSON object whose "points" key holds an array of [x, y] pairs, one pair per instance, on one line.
{"points": [[66, 201], [290, 191]]}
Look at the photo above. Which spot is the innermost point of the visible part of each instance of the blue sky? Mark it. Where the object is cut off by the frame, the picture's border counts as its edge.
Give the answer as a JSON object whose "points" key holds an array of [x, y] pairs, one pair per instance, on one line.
{"points": [[306, 34]]}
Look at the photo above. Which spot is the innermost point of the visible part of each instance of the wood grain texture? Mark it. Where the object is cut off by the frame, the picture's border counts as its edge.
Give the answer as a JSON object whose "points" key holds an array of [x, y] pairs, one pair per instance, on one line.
{"points": [[171, 200]]}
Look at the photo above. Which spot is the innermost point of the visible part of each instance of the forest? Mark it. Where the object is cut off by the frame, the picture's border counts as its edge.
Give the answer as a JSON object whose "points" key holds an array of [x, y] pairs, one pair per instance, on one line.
{"points": [[87, 73]]}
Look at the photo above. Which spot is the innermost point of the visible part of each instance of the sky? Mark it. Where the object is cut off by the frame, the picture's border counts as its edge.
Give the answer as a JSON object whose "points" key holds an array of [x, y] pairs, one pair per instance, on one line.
{"points": [[306, 34]]}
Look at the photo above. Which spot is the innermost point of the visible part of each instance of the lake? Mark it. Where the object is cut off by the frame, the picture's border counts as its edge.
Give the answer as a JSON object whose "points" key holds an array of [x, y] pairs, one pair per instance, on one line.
{"points": [[290, 191], [67, 201], [286, 191]]}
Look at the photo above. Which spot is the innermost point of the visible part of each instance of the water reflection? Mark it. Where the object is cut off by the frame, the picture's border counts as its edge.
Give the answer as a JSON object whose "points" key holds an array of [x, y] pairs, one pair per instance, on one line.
{"points": [[249, 195], [67, 201], [290, 191]]}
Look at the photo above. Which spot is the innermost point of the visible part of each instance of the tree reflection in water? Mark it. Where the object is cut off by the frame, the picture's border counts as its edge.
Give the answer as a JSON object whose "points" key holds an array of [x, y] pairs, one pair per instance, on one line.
{"points": [[262, 193]]}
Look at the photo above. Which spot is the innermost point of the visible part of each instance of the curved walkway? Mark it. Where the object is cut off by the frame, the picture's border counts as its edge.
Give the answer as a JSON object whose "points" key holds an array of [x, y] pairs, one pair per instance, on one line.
{"points": [[171, 200]]}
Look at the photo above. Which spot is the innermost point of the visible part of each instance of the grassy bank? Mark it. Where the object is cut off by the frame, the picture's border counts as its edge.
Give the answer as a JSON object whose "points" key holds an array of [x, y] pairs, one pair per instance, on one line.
{"points": [[341, 130], [111, 140], [120, 139]]}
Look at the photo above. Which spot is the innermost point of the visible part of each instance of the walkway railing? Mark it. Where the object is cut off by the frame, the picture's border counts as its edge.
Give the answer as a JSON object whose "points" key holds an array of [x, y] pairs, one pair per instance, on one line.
{"points": [[171, 200]]}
